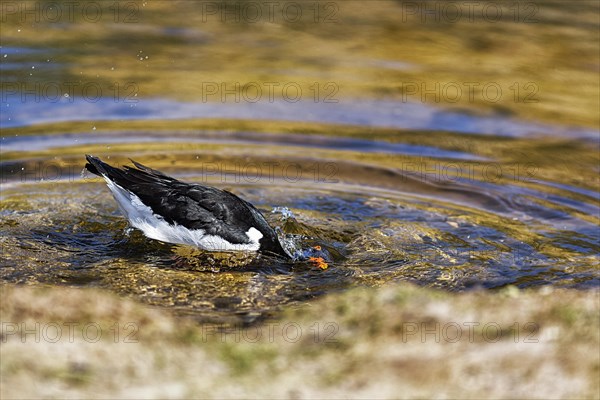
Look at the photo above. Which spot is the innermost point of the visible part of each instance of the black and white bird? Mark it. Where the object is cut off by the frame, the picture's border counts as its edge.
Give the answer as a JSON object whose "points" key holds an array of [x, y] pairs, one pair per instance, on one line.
{"points": [[171, 211]]}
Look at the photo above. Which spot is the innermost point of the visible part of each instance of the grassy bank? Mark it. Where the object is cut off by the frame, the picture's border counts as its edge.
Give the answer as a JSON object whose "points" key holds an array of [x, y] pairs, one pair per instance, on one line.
{"points": [[397, 341]]}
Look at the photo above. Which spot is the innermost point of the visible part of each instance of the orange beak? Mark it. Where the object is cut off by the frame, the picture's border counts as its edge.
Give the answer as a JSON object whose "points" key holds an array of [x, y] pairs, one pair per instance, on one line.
{"points": [[319, 262]]}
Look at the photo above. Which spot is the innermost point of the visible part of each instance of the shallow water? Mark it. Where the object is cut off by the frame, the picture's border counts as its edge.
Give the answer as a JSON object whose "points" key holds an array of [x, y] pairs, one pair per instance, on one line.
{"points": [[395, 189]]}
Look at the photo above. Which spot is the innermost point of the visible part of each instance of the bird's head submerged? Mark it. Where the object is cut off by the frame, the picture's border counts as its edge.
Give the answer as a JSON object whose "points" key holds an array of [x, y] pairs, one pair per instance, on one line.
{"points": [[270, 244]]}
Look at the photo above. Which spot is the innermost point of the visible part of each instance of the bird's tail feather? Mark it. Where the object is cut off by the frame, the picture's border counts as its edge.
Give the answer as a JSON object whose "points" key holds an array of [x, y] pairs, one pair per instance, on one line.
{"points": [[126, 176], [100, 168], [94, 165]]}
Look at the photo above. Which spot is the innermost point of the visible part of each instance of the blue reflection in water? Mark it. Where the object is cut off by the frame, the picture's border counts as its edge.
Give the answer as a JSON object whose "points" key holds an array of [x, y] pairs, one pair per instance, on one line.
{"points": [[21, 109]]}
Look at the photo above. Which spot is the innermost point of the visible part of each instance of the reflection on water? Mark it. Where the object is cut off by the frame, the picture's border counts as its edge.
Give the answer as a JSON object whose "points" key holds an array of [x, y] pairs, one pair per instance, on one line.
{"points": [[397, 185], [376, 113], [30, 143]]}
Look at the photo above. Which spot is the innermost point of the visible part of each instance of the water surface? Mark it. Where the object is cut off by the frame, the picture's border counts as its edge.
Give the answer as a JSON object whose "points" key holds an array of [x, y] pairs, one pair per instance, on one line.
{"points": [[451, 195]]}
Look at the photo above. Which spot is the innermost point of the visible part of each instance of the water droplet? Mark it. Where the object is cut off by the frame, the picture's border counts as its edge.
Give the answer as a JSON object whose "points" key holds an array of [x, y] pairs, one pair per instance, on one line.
{"points": [[66, 95], [284, 211]]}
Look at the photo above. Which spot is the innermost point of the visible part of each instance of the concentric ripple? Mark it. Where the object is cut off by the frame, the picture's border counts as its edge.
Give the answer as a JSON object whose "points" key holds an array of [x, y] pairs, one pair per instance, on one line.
{"points": [[379, 217]]}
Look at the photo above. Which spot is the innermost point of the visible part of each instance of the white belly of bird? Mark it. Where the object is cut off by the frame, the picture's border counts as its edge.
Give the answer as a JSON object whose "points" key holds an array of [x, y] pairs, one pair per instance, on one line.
{"points": [[155, 227]]}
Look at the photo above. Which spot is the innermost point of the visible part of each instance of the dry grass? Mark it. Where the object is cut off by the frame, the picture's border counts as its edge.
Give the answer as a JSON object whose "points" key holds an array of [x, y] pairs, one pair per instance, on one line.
{"points": [[398, 341]]}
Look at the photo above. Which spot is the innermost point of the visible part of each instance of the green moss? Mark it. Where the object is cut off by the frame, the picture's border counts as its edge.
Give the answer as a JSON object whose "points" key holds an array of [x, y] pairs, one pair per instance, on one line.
{"points": [[75, 374], [244, 358]]}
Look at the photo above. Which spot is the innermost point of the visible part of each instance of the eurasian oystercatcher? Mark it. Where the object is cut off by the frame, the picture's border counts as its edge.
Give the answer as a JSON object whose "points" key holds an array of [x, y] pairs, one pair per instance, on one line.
{"points": [[171, 211]]}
